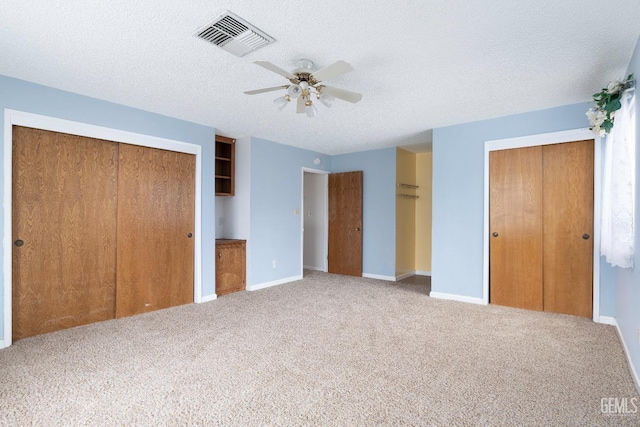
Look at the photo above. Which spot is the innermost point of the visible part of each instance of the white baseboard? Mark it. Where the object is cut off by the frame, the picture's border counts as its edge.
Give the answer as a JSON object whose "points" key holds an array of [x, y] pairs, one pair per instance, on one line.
{"points": [[423, 273], [208, 298], [634, 373], [2, 345], [379, 277], [454, 297], [405, 275], [311, 267], [274, 283], [606, 320]]}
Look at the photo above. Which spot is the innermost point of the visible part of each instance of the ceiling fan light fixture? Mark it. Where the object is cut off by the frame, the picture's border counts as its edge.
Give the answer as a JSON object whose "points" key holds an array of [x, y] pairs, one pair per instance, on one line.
{"points": [[327, 100], [305, 64], [294, 91], [282, 101], [310, 109]]}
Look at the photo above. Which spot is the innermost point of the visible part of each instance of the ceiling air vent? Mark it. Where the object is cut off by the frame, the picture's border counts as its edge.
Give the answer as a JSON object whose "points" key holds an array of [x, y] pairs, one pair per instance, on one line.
{"points": [[234, 34]]}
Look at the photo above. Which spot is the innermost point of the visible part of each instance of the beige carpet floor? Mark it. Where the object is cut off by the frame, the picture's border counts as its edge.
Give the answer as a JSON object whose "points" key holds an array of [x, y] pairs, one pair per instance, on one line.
{"points": [[327, 350]]}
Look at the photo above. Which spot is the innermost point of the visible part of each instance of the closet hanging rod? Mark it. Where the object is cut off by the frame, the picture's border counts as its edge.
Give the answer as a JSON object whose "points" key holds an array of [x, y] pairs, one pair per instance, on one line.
{"points": [[407, 185]]}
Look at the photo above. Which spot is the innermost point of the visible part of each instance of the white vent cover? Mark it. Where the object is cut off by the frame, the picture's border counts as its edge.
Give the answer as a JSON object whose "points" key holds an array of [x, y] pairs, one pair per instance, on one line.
{"points": [[234, 34]]}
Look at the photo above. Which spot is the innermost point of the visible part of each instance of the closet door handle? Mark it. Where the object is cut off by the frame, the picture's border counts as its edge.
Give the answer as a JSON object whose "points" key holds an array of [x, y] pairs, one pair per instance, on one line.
{"points": [[585, 236], [219, 254], [19, 243], [495, 234], [190, 235]]}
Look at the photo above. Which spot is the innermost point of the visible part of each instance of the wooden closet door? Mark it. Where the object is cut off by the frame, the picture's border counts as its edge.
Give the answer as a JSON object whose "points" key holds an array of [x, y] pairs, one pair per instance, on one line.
{"points": [[515, 227], [568, 228], [64, 210], [156, 210]]}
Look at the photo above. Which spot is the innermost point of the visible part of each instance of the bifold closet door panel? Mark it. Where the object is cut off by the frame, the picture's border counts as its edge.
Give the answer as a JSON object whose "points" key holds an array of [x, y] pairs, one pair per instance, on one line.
{"points": [[515, 227], [64, 191], [156, 209], [568, 227]]}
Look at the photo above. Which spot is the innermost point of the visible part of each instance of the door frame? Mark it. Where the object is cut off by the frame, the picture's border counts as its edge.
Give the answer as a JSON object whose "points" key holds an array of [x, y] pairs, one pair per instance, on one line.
{"points": [[31, 120], [325, 218], [546, 139]]}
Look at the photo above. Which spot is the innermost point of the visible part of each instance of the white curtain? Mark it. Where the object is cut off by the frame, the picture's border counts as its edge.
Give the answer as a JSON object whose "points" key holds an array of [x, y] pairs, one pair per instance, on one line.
{"points": [[617, 234]]}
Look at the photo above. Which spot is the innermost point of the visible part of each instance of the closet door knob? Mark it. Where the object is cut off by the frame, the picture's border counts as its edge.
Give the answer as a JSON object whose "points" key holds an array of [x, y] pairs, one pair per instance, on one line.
{"points": [[495, 234], [585, 236], [219, 254], [190, 235], [19, 243]]}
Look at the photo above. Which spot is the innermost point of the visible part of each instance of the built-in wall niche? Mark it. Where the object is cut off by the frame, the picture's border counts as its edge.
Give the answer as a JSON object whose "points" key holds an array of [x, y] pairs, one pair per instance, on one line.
{"points": [[225, 165]]}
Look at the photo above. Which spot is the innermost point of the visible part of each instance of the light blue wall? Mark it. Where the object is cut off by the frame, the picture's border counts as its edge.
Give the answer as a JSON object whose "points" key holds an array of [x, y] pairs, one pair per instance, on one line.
{"points": [[458, 186], [379, 206], [32, 98], [628, 280], [607, 289], [276, 192], [276, 189]]}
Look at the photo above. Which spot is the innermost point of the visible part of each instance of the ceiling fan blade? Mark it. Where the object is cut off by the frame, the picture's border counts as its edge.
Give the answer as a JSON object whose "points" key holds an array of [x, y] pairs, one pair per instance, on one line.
{"points": [[331, 71], [269, 66], [345, 95], [268, 89], [300, 106]]}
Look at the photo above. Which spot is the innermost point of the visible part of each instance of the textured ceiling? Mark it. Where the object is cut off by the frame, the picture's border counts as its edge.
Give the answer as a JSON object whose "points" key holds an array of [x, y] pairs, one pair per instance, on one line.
{"points": [[419, 64]]}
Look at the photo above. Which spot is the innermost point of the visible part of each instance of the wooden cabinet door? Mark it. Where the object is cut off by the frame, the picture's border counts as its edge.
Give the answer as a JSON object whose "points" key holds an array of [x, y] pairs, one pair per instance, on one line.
{"points": [[568, 228], [156, 202], [64, 212], [515, 227], [230, 267], [345, 223]]}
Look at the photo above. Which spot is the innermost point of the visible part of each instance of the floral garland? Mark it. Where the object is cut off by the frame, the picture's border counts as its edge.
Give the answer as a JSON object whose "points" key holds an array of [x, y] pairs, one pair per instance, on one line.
{"points": [[607, 103]]}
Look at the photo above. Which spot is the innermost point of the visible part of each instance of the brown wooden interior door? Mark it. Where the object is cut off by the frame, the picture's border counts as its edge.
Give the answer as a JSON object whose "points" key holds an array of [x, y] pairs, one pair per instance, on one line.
{"points": [[345, 223], [156, 198], [515, 227], [568, 228], [64, 210]]}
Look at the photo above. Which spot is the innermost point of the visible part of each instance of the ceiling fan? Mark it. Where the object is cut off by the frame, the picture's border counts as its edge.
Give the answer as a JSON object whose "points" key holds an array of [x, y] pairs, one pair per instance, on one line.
{"points": [[305, 83]]}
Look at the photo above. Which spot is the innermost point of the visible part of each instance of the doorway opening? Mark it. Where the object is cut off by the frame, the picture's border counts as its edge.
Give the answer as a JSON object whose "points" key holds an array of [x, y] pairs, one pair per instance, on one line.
{"points": [[315, 219]]}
